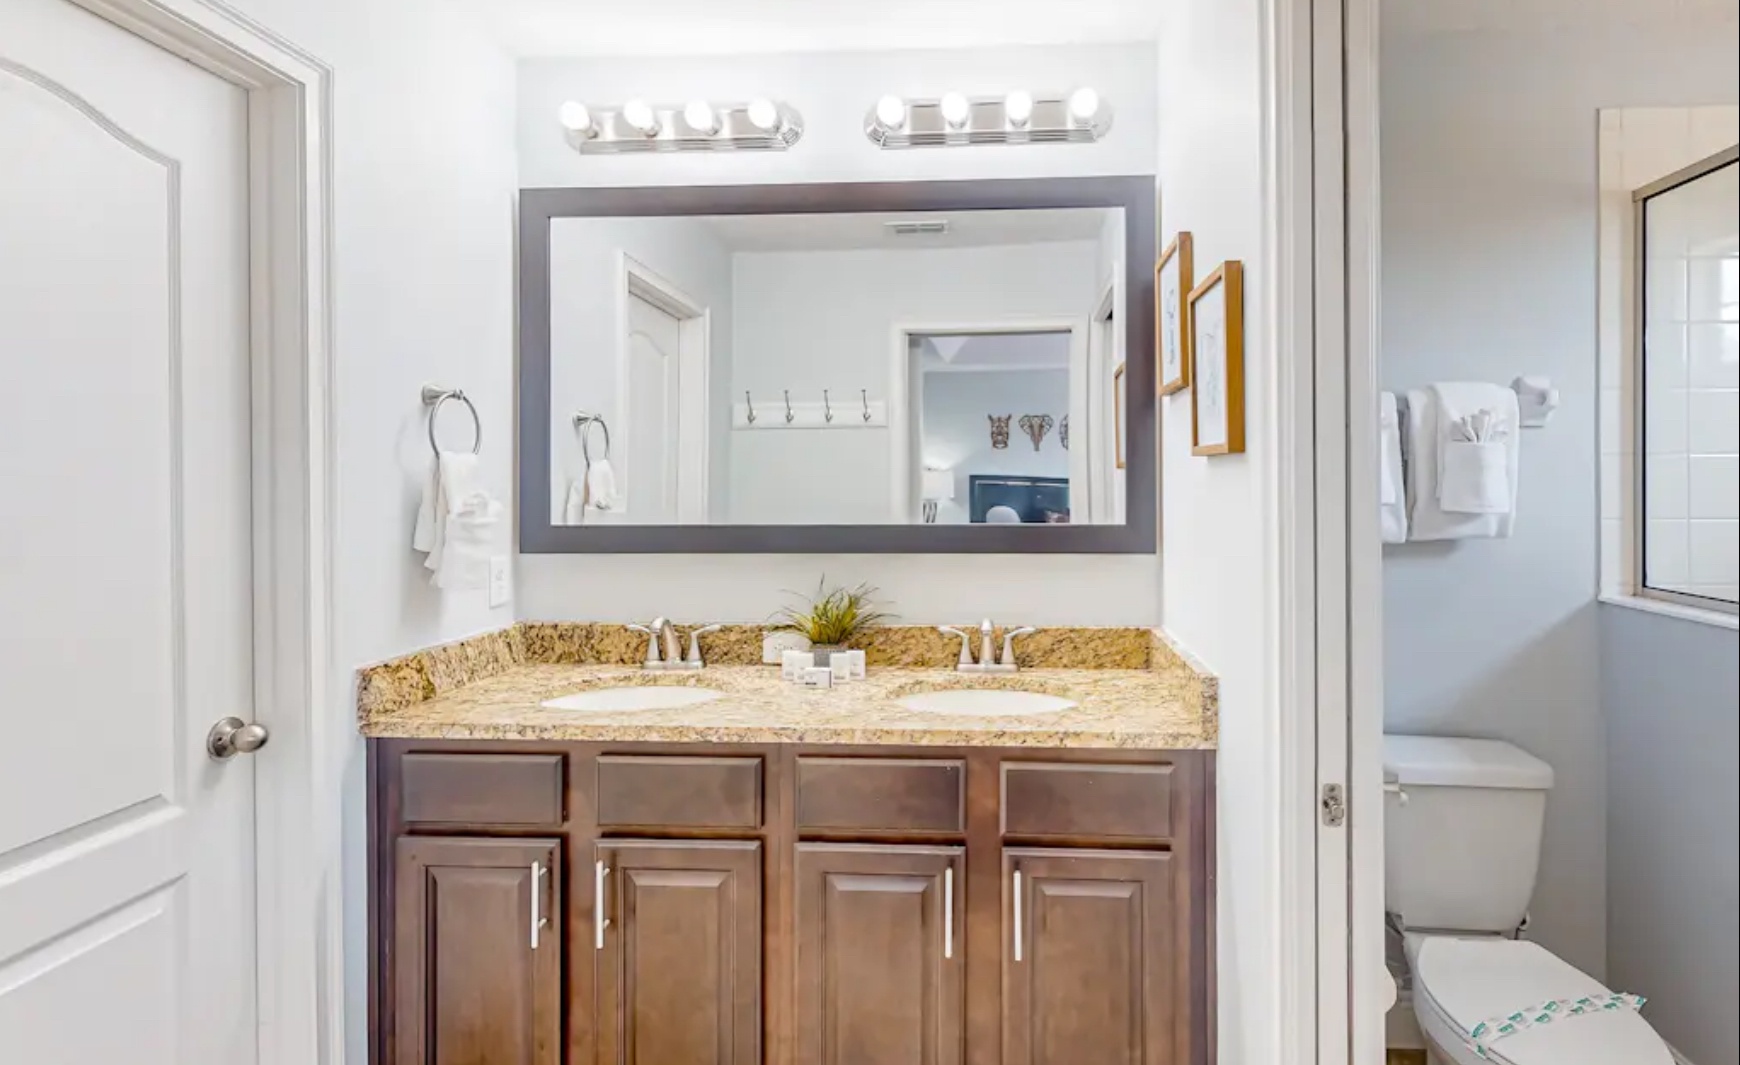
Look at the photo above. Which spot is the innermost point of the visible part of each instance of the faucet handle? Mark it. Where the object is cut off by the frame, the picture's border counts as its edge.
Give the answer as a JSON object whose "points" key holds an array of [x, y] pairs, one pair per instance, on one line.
{"points": [[1008, 658], [695, 635], [653, 661], [966, 643]]}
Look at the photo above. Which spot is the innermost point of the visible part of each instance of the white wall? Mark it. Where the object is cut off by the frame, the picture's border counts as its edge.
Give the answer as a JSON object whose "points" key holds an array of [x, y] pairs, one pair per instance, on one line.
{"points": [[813, 320], [1218, 591], [422, 257], [1489, 266], [585, 328], [833, 91], [957, 432]]}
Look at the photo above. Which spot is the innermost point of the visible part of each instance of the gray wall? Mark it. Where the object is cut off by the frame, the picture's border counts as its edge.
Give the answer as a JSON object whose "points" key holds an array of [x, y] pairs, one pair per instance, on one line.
{"points": [[1489, 256], [1670, 689]]}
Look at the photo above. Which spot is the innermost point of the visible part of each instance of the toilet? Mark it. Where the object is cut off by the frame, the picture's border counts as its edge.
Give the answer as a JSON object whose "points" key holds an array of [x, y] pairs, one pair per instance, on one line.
{"points": [[1462, 838]]}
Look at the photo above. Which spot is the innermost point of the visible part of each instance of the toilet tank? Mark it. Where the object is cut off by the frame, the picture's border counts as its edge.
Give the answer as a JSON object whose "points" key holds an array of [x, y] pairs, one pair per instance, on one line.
{"points": [[1462, 832]]}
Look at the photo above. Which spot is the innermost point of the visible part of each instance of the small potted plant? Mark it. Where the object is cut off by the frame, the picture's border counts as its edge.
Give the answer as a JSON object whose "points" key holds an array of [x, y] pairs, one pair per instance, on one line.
{"points": [[831, 618]]}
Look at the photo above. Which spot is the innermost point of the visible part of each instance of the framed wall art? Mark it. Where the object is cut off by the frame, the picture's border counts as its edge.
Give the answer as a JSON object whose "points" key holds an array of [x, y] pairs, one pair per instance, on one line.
{"points": [[1217, 362], [1173, 277]]}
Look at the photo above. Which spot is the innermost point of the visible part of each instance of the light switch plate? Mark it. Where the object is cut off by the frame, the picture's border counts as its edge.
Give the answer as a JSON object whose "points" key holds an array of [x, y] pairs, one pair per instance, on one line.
{"points": [[501, 581]]}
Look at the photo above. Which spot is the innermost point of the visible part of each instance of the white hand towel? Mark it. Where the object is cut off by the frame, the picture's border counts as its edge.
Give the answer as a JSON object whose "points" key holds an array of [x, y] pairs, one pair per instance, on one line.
{"points": [[601, 491], [423, 535], [1426, 431], [468, 544], [1392, 491], [455, 480], [574, 506]]}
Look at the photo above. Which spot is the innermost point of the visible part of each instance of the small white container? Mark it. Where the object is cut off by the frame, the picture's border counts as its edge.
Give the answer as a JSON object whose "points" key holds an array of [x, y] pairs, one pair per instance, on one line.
{"points": [[847, 665], [793, 663], [817, 677]]}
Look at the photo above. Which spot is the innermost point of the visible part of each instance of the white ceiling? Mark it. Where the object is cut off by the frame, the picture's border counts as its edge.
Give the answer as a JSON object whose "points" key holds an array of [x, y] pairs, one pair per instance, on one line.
{"points": [[749, 27], [848, 232]]}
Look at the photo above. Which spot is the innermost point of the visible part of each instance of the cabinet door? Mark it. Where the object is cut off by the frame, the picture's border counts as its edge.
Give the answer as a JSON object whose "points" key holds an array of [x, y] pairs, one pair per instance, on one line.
{"points": [[880, 955], [479, 941], [1090, 958], [677, 935]]}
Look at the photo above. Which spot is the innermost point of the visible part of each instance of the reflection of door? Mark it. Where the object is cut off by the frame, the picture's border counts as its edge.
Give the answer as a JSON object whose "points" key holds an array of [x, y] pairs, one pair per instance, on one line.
{"points": [[654, 387], [127, 926]]}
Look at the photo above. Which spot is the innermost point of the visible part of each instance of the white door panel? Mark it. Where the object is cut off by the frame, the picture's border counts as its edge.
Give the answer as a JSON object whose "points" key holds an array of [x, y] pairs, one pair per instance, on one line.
{"points": [[125, 606], [654, 341]]}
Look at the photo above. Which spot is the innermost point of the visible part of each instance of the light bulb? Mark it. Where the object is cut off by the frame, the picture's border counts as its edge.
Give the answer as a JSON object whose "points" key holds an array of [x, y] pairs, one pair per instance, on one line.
{"points": [[640, 115], [575, 117], [1084, 104], [891, 112], [701, 117], [1018, 106], [955, 110], [763, 114]]}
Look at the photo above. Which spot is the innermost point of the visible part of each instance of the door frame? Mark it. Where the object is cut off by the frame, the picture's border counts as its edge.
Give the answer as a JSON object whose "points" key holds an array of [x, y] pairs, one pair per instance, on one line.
{"points": [[694, 336], [299, 777], [906, 414]]}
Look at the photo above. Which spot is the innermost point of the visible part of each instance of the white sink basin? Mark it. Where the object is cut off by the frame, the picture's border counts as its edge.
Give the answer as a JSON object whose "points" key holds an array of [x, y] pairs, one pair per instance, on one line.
{"points": [[636, 697], [985, 702]]}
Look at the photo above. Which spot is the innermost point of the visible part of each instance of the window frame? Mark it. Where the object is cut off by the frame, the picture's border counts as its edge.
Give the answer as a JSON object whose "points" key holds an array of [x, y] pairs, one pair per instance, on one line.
{"points": [[1639, 516]]}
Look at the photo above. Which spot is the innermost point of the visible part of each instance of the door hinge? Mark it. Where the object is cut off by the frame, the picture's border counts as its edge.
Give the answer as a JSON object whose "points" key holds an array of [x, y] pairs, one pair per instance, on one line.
{"points": [[1334, 805]]}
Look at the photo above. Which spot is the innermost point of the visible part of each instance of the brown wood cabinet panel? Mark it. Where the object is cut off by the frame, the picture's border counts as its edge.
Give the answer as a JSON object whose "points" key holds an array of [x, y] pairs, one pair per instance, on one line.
{"points": [[1087, 802], [471, 986], [1088, 969], [483, 789], [679, 969], [646, 791], [881, 956], [881, 795]]}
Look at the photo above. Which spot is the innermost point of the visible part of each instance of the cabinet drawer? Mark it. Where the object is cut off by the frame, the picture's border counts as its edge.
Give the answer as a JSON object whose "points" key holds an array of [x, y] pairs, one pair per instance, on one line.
{"points": [[636, 791], [482, 789], [1089, 802], [881, 795]]}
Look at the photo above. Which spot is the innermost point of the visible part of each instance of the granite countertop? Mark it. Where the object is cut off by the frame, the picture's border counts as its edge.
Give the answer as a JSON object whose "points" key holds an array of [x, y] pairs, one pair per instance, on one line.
{"points": [[1165, 709]]}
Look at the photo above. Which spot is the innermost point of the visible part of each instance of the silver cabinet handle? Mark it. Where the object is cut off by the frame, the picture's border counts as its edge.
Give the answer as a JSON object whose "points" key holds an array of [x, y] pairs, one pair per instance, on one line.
{"points": [[599, 921], [949, 912], [538, 918], [1017, 880]]}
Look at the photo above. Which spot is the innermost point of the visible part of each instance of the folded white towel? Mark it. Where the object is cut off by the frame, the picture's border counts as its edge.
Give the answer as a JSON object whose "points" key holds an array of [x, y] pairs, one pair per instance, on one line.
{"points": [[455, 482], [1475, 477], [1392, 490], [601, 493]]}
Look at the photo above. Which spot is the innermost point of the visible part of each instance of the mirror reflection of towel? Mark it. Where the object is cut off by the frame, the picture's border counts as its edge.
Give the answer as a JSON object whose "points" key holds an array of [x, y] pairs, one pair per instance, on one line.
{"points": [[601, 491]]}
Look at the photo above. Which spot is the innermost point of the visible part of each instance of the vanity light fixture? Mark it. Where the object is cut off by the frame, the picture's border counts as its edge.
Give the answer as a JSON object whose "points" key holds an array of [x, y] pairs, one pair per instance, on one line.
{"points": [[699, 125], [1021, 117]]}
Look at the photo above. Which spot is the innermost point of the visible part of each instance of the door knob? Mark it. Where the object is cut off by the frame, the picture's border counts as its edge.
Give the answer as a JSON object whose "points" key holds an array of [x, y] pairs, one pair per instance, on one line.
{"points": [[233, 736]]}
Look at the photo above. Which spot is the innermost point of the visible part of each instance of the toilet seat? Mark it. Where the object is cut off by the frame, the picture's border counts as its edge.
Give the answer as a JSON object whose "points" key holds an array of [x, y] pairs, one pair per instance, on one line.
{"points": [[1460, 982]]}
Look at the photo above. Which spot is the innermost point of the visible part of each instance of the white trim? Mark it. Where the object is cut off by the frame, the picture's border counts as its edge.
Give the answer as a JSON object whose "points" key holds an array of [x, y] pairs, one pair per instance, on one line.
{"points": [[694, 381], [906, 418], [299, 777], [1668, 609], [1286, 484]]}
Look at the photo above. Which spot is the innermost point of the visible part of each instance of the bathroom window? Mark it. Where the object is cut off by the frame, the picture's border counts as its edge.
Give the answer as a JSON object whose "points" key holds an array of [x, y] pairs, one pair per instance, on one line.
{"points": [[1688, 415]]}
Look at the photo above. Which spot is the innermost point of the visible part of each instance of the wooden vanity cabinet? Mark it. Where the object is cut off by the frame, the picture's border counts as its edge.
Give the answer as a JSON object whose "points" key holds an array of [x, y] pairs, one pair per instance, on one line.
{"points": [[789, 905]]}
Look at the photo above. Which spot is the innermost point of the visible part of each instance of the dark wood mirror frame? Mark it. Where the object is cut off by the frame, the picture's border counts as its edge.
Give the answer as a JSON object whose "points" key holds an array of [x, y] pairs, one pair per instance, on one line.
{"points": [[1136, 195]]}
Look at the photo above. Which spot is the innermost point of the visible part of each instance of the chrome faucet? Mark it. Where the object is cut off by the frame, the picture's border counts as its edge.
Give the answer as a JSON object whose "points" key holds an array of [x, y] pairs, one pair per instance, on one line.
{"points": [[988, 662], [661, 628], [694, 661]]}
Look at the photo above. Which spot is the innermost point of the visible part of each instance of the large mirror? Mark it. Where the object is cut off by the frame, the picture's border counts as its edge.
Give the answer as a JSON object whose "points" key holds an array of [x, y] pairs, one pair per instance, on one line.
{"points": [[965, 368]]}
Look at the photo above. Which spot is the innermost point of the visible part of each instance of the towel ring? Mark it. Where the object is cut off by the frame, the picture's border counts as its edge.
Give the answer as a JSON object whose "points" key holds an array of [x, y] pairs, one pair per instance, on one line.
{"points": [[433, 398], [583, 424]]}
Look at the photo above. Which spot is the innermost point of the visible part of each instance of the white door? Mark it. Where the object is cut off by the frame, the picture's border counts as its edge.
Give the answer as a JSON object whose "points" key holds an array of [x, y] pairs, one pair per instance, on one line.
{"points": [[126, 852], [649, 485]]}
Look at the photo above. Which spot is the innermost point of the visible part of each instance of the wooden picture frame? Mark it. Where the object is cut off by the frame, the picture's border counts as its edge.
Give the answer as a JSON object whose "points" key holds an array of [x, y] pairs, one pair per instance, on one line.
{"points": [[1118, 413], [1174, 277], [1217, 370]]}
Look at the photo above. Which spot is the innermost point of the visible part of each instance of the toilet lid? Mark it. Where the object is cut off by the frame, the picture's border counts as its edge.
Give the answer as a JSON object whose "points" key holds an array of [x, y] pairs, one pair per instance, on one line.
{"points": [[1467, 981]]}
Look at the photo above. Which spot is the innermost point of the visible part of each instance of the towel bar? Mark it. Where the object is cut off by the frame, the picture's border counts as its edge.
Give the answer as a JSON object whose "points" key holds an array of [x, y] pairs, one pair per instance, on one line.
{"points": [[433, 398]]}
